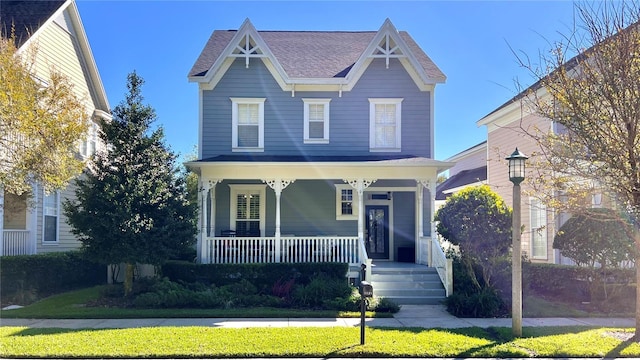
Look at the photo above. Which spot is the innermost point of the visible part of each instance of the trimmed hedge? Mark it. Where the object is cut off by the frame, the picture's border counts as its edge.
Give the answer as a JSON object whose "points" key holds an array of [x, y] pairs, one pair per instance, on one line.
{"points": [[263, 276], [29, 277]]}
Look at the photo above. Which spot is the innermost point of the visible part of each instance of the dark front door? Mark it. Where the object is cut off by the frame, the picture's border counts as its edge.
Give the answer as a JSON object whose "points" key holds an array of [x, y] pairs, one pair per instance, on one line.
{"points": [[377, 237]]}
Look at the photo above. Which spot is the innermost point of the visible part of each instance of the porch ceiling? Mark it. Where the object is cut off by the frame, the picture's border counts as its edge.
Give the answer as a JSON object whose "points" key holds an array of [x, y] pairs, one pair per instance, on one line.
{"points": [[393, 169]]}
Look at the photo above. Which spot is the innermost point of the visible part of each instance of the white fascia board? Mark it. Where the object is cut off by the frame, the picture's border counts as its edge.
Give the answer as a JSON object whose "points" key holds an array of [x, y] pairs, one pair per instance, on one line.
{"points": [[482, 147], [390, 169], [89, 60], [512, 111]]}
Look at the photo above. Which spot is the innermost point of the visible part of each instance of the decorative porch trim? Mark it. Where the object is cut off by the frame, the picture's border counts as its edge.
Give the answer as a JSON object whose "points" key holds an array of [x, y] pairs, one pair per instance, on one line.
{"points": [[278, 185]]}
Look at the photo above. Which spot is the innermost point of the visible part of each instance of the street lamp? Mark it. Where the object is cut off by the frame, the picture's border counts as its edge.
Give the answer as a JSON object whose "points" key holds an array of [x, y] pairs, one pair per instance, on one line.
{"points": [[516, 176]]}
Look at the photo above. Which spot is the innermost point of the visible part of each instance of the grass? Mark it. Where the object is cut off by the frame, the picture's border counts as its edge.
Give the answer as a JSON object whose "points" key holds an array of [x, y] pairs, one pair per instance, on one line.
{"points": [[71, 305], [206, 342], [539, 307]]}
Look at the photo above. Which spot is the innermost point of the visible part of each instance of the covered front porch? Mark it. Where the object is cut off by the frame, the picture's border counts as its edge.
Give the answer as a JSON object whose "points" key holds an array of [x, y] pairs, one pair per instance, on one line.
{"points": [[257, 209]]}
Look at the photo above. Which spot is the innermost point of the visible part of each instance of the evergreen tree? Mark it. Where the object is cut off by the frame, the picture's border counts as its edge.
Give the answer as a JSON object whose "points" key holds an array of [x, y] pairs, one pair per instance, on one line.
{"points": [[131, 205]]}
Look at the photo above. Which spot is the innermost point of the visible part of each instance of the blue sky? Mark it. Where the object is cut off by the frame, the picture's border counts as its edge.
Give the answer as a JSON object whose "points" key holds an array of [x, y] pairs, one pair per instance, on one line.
{"points": [[470, 41]]}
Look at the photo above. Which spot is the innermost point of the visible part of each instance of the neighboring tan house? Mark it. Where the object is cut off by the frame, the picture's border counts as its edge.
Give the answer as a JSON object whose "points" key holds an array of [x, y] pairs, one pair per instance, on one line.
{"points": [[470, 169], [55, 29], [316, 147]]}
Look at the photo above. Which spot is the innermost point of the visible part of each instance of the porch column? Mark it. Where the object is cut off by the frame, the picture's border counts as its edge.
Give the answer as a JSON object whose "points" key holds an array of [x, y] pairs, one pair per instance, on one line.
{"points": [[432, 198], [206, 187], [278, 185], [422, 258], [359, 185], [212, 212], [1, 220]]}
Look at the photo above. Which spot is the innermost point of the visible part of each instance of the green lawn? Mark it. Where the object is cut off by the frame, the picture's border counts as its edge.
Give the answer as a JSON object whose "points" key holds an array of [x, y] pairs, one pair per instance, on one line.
{"points": [[71, 305], [186, 342]]}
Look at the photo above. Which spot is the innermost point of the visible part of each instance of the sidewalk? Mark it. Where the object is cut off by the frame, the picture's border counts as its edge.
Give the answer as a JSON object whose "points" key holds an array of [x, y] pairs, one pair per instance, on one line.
{"points": [[424, 316]]}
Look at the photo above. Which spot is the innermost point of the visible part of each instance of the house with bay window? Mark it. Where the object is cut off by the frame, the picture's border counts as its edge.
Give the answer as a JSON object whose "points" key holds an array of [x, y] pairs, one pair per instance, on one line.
{"points": [[318, 146], [37, 225]]}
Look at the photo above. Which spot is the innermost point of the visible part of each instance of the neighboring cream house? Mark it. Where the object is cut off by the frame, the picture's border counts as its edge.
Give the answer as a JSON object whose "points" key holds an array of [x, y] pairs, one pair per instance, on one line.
{"points": [[55, 29], [507, 128]]}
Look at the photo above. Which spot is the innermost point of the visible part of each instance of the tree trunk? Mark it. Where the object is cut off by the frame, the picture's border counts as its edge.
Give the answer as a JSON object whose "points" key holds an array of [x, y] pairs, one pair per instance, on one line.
{"points": [[637, 237], [128, 279]]}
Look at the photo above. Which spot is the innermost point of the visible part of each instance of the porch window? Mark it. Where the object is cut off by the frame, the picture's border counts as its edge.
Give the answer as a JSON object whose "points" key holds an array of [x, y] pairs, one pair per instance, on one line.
{"points": [[538, 229], [346, 202], [316, 121], [385, 124], [247, 124], [247, 209], [50, 218]]}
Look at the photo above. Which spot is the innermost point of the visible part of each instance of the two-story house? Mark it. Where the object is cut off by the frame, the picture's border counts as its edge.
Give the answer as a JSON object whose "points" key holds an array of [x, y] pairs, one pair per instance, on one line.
{"points": [[54, 29], [316, 146]]}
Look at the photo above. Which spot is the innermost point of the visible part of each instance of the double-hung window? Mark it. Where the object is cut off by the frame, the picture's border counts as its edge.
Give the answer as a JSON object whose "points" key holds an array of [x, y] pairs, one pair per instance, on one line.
{"points": [[538, 229], [50, 218], [247, 124], [346, 202], [316, 121], [385, 122]]}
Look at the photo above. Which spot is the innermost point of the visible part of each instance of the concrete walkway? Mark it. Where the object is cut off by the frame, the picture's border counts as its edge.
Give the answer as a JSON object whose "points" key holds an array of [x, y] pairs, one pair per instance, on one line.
{"points": [[422, 316]]}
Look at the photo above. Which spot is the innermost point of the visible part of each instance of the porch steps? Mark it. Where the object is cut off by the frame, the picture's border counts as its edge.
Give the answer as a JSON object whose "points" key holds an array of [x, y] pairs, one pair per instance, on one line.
{"points": [[407, 284]]}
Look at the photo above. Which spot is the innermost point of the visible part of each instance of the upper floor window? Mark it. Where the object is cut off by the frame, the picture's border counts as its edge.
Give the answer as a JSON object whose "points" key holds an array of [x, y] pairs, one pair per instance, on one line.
{"points": [[385, 124], [50, 218], [88, 145], [247, 129], [316, 121]]}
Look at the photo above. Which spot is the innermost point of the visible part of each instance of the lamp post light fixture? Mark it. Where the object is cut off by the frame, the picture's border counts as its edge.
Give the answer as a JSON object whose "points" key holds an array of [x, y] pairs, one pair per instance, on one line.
{"points": [[516, 176]]}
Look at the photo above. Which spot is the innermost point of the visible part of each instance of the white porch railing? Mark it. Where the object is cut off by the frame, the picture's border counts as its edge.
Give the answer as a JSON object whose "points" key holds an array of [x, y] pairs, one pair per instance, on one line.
{"points": [[16, 242], [442, 264], [290, 249]]}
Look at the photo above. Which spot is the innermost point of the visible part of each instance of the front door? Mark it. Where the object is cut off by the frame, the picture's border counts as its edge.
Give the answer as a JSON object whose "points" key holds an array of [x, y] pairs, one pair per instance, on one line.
{"points": [[377, 237]]}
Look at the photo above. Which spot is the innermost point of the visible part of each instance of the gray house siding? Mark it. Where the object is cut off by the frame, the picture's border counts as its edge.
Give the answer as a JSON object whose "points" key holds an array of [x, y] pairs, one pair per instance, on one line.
{"points": [[284, 120]]}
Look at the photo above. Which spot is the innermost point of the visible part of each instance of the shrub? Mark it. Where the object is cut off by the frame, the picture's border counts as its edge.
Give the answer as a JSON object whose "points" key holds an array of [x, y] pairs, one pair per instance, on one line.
{"points": [[318, 290], [484, 303], [385, 305], [29, 277]]}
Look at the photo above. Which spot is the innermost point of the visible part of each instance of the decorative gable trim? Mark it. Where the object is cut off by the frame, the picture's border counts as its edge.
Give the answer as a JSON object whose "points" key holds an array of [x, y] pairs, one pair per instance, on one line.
{"points": [[247, 43], [388, 44]]}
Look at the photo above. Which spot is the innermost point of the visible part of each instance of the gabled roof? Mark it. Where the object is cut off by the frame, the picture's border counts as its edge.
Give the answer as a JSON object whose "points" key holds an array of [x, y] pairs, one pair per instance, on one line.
{"points": [[25, 17], [301, 57], [29, 17], [461, 179]]}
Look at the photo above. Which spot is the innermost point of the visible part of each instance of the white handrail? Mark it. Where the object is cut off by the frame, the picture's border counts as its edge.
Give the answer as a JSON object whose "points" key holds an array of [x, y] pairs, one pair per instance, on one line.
{"points": [[443, 266]]}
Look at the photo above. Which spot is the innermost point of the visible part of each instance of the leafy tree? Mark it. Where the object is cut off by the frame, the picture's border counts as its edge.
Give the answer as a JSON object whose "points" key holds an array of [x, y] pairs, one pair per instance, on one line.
{"points": [[39, 124], [594, 100], [596, 238], [479, 222], [131, 204]]}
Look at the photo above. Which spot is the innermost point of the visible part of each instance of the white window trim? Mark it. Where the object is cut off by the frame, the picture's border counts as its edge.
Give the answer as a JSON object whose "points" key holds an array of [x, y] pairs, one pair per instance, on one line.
{"points": [[354, 205], [235, 189], [92, 136], [372, 124], [307, 102], [534, 202], [234, 124], [44, 214]]}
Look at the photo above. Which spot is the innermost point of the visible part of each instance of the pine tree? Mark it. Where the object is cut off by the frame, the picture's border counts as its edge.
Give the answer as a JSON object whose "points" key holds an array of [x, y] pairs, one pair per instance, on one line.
{"points": [[131, 205]]}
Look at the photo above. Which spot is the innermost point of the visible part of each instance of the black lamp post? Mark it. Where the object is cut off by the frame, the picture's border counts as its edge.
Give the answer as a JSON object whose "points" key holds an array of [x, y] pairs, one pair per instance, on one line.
{"points": [[516, 175]]}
